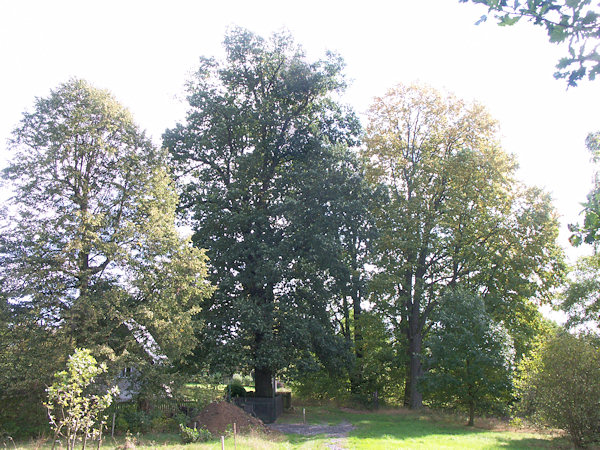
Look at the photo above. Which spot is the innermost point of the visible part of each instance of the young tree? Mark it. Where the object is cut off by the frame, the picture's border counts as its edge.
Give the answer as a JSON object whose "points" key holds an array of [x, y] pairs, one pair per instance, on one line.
{"points": [[89, 253], [73, 407], [454, 215], [469, 357], [257, 159], [575, 22]]}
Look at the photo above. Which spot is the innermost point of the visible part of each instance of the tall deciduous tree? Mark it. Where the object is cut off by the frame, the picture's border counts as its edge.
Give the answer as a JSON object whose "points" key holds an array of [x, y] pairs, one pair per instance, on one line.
{"points": [[89, 252], [257, 160], [455, 214]]}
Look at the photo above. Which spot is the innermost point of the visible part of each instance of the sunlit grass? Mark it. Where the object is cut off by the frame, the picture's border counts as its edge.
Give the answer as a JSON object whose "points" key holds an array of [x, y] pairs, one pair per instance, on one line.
{"points": [[384, 429]]}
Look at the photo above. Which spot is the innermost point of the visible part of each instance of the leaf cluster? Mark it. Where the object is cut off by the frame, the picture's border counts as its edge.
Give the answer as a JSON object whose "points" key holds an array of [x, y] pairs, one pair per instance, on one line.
{"points": [[574, 22], [73, 409]]}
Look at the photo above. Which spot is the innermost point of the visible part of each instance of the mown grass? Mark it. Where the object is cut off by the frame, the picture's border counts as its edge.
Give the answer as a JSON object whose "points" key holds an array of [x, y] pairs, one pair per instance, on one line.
{"points": [[385, 429]]}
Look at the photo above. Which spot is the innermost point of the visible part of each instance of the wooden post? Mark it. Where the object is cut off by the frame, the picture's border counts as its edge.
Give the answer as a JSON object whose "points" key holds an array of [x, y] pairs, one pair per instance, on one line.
{"points": [[112, 433], [222, 442], [234, 434], [304, 415]]}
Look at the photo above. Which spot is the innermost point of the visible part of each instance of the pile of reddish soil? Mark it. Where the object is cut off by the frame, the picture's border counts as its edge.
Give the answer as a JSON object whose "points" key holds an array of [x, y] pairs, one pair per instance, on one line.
{"points": [[217, 416]]}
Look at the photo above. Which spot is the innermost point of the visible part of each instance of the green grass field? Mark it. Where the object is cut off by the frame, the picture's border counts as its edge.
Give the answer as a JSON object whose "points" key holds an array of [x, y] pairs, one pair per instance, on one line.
{"points": [[387, 429]]}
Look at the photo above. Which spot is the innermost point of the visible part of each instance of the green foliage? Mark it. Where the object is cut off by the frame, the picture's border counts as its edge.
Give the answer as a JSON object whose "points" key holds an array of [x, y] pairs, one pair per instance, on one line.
{"points": [[234, 389], [580, 299], [23, 417], [247, 380], [259, 165], [382, 365], [89, 253], [321, 386], [455, 215], [131, 419], [588, 232], [203, 393], [73, 408], [192, 435], [469, 358], [575, 22], [559, 386]]}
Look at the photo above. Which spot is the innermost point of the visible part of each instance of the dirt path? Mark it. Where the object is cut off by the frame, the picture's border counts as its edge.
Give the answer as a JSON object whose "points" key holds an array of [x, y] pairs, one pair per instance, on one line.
{"points": [[338, 432]]}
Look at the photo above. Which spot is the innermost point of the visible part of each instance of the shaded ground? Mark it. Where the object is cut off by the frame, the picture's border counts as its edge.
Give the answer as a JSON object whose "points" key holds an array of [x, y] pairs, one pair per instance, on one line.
{"points": [[340, 430]]}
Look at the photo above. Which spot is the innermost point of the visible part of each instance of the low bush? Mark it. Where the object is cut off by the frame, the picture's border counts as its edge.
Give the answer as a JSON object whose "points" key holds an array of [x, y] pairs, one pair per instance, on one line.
{"points": [[192, 435], [234, 390], [131, 419]]}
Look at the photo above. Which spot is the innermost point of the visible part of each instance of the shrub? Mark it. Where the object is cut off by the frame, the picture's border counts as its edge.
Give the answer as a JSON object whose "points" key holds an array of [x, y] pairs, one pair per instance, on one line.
{"points": [[237, 379], [163, 424], [192, 435], [559, 386], [129, 418], [234, 390]]}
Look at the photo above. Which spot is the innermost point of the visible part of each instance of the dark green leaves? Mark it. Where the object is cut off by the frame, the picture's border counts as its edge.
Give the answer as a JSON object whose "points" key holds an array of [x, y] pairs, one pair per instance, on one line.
{"points": [[259, 158]]}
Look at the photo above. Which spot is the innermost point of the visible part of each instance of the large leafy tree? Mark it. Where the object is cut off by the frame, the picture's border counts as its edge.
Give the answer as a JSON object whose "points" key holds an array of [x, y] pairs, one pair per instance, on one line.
{"points": [[469, 356], [574, 22], [260, 164], [89, 252], [455, 215]]}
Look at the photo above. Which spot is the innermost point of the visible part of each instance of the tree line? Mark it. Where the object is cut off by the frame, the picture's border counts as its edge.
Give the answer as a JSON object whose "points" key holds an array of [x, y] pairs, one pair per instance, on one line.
{"points": [[393, 261]]}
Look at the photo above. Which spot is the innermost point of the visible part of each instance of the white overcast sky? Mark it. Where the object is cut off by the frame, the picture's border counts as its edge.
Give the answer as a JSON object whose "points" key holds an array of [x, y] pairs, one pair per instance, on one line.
{"points": [[143, 51]]}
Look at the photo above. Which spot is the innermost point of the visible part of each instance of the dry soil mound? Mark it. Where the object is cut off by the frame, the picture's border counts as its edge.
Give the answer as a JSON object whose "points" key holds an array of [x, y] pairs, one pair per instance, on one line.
{"points": [[217, 416]]}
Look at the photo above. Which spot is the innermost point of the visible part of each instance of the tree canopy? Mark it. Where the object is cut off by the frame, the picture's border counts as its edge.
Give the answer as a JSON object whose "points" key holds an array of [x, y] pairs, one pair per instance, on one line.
{"points": [[455, 214], [259, 164], [89, 253]]}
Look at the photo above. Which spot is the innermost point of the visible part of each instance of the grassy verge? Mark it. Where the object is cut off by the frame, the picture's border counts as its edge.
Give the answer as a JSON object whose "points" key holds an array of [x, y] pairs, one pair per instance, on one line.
{"points": [[394, 428]]}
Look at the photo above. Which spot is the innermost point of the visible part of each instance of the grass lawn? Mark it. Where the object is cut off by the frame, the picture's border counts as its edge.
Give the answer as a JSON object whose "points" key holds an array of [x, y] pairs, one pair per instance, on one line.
{"points": [[387, 429]]}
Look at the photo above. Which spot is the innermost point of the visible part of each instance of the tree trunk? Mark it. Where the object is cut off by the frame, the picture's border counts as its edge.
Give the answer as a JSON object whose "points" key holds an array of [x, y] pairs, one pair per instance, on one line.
{"points": [[471, 413], [414, 372], [263, 382], [357, 379]]}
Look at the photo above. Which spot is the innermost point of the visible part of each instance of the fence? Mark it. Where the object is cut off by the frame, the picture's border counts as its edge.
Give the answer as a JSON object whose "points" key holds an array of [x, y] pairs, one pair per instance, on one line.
{"points": [[164, 405], [267, 409]]}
